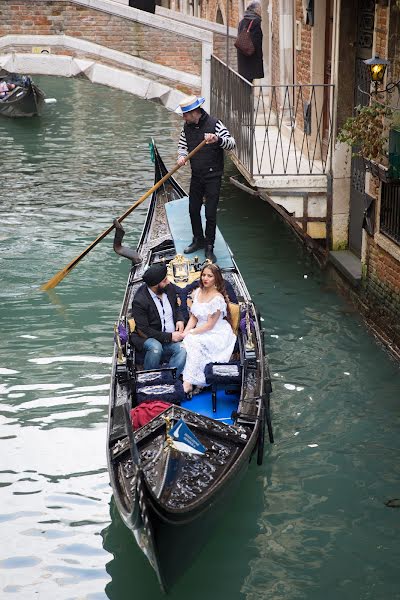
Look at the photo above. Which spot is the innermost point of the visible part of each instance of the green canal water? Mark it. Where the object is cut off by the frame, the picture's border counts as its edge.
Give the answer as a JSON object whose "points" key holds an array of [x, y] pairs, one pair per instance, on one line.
{"points": [[311, 523]]}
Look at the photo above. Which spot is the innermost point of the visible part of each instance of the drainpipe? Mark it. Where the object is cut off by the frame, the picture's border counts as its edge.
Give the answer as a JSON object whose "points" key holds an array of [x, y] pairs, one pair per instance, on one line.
{"points": [[227, 33], [206, 51]]}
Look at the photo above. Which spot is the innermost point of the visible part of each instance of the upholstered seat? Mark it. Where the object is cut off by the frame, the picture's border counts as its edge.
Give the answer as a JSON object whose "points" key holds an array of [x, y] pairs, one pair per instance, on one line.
{"points": [[160, 384], [226, 375]]}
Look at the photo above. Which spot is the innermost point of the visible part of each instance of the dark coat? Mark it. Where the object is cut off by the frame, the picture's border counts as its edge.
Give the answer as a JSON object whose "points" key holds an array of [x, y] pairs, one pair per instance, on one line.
{"points": [[210, 159], [251, 67], [147, 318]]}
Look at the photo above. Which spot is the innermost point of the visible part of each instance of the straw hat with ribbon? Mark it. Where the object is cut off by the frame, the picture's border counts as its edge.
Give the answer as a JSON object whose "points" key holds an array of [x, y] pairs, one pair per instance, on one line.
{"points": [[189, 103]]}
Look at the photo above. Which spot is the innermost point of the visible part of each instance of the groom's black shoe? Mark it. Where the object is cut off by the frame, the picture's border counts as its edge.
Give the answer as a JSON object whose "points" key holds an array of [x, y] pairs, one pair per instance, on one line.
{"points": [[209, 253], [196, 244]]}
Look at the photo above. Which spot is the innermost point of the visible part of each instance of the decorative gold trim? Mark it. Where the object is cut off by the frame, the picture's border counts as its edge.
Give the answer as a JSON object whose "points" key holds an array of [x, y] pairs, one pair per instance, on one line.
{"points": [[181, 271]]}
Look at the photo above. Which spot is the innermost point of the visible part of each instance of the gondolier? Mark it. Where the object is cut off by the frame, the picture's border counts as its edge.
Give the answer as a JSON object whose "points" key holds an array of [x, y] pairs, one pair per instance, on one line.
{"points": [[207, 169]]}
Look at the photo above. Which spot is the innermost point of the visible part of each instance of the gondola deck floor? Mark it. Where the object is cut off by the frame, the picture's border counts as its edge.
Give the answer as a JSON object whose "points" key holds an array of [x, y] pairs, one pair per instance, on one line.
{"points": [[179, 224]]}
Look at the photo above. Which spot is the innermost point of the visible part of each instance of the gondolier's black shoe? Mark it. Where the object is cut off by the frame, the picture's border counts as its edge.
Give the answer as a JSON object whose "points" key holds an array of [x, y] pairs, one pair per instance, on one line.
{"points": [[209, 253], [196, 244]]}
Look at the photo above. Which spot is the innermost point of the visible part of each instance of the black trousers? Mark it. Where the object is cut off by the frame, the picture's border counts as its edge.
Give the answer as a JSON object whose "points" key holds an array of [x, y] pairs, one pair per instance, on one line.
{"points": [[200, 187]]}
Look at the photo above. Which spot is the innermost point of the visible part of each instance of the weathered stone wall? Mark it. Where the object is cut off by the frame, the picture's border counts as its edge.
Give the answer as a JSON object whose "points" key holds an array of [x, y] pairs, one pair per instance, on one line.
{"points": [[44, 17], [381, 290]]}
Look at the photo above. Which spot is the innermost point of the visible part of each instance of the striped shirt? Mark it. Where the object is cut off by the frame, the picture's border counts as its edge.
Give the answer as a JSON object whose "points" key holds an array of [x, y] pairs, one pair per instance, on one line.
{"points": [[226, 141]]}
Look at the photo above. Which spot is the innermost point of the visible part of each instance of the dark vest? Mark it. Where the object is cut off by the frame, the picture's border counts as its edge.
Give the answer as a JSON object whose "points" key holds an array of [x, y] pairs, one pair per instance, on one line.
{"points": [[210, 159]]}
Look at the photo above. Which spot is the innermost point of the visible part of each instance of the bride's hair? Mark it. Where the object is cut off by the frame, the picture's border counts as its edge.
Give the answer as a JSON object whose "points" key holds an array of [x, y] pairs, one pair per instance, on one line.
{"points": [[219, 284]]}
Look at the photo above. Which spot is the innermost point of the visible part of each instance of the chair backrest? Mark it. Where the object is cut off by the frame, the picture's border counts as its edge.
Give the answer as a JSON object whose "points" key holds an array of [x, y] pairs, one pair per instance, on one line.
{"points": [[234, 310]]}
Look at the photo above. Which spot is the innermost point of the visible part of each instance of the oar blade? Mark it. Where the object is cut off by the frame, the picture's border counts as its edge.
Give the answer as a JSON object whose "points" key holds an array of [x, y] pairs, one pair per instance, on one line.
{"points": [[55, 280]]}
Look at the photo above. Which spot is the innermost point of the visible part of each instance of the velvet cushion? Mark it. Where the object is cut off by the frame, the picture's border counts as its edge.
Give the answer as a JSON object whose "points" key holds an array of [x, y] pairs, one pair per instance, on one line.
{"points": [[223, 373], [154, 377], [167, 392]]}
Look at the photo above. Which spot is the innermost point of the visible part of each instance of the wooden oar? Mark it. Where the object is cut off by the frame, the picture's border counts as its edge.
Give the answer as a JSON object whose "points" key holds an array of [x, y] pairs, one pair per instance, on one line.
{"points": [[55, 280]]}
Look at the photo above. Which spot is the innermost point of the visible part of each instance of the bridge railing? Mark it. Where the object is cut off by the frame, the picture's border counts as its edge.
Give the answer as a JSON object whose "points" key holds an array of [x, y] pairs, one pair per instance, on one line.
{"points": [[279, 129]]}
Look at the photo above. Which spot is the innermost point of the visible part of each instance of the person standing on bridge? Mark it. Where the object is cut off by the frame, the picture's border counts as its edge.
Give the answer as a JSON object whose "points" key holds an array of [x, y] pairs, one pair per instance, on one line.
{"points": [[207, 169], [252, 67]]}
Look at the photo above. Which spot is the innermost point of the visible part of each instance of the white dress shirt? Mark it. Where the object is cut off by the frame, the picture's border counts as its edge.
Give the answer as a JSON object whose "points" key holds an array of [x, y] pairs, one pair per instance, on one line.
{"points": [[165, 311]]}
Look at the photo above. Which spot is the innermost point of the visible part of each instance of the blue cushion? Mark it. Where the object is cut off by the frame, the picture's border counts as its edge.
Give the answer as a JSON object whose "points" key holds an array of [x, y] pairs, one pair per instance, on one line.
{"points": [[223, 373]]}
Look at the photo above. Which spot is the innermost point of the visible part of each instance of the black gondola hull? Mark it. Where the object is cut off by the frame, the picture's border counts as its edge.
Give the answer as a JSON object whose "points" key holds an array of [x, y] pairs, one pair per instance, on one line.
{"points": [[177, 542], [170, 500], [29, 103]]}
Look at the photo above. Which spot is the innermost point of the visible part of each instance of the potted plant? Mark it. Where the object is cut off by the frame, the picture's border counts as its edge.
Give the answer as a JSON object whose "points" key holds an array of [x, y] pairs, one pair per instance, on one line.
{"points": [[368, 132]]}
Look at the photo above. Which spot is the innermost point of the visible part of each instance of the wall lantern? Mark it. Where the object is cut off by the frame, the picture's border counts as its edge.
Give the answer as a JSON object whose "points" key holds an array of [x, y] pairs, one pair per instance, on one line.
{"points": [[377, 67]]}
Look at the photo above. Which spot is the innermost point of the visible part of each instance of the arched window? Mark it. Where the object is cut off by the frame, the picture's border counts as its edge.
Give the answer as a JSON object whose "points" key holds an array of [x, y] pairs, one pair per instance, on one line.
{"points": [[219, 18]]}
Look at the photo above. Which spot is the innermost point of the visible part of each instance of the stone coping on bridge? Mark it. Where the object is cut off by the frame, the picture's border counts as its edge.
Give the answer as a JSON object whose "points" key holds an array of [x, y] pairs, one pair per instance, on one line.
{"points": [[141, 16], [68, 66], [85, 48]]}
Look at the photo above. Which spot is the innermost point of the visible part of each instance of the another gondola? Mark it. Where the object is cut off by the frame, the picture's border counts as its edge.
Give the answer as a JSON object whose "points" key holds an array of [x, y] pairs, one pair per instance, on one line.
{"points": [[25, 100], [166, 497]]}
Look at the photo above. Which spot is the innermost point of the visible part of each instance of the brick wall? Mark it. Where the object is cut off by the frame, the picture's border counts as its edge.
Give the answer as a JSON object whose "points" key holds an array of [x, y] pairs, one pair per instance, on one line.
{"points": [[303, 56], [219, 49], [44, 17], [381, 28], [275, 53], [381, 290], [209, 11]]}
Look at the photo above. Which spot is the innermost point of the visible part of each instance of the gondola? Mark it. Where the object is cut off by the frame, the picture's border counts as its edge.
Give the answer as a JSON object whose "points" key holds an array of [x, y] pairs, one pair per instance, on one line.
{"points": [[25, 100], [168, 498]]}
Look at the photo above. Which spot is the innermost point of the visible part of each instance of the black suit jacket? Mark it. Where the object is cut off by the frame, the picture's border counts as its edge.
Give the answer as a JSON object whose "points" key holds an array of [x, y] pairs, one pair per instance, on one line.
{"points": [[147, 318]]}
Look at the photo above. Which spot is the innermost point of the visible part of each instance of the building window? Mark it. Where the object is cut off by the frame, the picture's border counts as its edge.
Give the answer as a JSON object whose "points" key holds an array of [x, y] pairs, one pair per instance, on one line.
{"points": [[197, 8], [219, 18]]}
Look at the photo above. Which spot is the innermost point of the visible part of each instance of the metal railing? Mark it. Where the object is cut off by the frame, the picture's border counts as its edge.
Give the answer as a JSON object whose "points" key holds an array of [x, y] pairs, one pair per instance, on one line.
{"points": [[389, 223], [279, 129]]}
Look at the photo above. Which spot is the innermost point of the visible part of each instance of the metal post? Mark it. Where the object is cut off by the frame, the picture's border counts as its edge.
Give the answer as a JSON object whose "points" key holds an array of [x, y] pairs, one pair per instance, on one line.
{"points": [[252, 123], [227, 33]]}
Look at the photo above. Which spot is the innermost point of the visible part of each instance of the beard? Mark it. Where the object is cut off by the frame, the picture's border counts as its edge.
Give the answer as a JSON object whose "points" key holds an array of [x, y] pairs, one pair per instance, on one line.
{"points": [[159, 290]]}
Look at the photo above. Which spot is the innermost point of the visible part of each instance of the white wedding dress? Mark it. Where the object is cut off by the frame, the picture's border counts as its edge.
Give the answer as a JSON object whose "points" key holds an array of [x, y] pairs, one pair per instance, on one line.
{"points": [[215, 345]]}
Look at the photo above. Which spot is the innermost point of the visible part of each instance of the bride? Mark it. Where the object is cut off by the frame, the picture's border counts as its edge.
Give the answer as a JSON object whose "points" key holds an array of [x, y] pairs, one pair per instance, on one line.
{"points": [[208, 336]]}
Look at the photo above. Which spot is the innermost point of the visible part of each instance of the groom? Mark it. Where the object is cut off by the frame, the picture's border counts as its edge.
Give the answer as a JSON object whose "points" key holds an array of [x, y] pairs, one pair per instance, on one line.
{"points": [[159, 321]]}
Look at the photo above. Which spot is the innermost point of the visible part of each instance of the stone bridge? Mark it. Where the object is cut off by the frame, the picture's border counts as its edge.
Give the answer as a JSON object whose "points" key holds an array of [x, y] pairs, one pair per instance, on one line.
{"points": [[159, 57]]}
